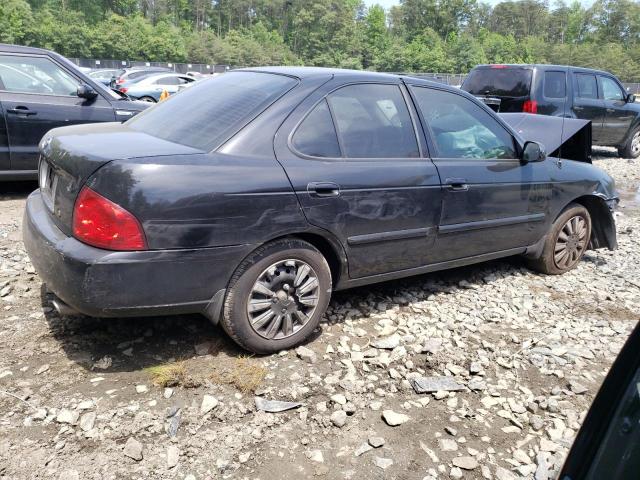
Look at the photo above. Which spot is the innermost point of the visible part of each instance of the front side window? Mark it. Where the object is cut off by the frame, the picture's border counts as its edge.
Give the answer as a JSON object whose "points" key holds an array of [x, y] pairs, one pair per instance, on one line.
{"points": [[460, 128], [587, 86], [554, 84], [23, 74], [316, 135], [373, 122], [610, 89], [212, 110]]}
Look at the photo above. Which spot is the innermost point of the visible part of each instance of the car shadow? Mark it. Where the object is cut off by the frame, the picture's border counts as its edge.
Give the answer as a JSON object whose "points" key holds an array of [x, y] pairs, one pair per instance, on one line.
{"points": [[16, 190], [132, 344]]}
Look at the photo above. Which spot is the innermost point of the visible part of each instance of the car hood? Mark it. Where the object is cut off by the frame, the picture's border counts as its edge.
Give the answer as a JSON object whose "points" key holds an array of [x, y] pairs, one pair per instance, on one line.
{"points": [[568, 138]]}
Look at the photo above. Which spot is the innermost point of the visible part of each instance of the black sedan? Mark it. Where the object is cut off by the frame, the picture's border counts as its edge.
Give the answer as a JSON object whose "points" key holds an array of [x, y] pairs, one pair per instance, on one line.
{"points": [[250, 197]]}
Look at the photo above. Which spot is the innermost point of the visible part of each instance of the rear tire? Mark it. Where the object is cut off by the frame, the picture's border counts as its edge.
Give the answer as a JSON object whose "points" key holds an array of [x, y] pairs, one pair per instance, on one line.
{"points": [[632, 148], [277, 296], [566, 241], [148, 99]]}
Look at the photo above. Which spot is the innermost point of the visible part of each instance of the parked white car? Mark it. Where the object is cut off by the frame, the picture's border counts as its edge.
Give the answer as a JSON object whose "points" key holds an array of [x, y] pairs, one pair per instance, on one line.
{"points": [[150, 88]]}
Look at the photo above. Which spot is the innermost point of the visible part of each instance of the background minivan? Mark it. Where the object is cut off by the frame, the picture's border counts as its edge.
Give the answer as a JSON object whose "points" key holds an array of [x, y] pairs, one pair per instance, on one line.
{"points": [[564, 92]]}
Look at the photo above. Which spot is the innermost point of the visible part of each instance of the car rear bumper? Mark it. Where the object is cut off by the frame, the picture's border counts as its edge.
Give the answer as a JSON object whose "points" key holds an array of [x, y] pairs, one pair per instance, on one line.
{"points": [[104, 283]]}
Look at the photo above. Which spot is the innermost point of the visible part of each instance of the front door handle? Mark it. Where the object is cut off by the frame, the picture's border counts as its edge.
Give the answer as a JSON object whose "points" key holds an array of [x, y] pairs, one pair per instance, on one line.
{"points": [[457, 184], [323, 189], [21, 110]]}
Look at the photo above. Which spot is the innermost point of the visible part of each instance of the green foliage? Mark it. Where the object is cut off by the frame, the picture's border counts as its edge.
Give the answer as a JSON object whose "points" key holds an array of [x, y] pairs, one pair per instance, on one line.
{"points": [[444, 36]]}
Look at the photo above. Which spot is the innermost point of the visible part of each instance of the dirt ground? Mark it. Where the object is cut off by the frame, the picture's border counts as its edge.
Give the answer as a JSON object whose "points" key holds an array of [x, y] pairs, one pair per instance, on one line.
{"points": [[173, 397]]}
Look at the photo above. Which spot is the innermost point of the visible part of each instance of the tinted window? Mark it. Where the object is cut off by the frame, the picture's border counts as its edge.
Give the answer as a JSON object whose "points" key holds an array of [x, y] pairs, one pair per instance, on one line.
{"points": [[316, 135], [168, 81], [587, 86], [35, 75], [610, 89], [212, 110], [460, 128], [499, 81], [373, 122], [555, 84]]}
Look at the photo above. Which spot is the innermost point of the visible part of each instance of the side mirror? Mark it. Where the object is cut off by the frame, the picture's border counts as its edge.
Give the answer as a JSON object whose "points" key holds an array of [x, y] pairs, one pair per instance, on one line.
{"points": [[85, 91], [533, 152], [631, 98]]}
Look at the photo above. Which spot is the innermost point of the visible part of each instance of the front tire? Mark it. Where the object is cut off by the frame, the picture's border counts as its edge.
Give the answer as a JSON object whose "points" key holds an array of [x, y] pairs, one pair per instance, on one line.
{"points": [[147, 99], [566, 242], [632, 148], [277, 296]]}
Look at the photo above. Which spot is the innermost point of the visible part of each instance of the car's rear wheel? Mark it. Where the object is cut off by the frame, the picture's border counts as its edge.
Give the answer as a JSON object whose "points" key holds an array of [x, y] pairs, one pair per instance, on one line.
{"points": [[147, 99], [566, 242], [277, 296], [632, 147]]}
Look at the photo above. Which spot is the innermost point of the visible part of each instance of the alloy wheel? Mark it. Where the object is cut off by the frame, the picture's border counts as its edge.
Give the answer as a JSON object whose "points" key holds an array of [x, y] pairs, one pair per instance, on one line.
{"points": [[571, 242], [635, 144], [283, 299]]}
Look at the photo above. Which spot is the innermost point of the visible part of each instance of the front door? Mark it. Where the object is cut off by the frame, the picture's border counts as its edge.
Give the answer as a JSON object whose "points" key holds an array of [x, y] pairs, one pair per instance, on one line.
{"points": [[618, 115], [491, 201], [587, 104], [37, 94], [355, 163]]}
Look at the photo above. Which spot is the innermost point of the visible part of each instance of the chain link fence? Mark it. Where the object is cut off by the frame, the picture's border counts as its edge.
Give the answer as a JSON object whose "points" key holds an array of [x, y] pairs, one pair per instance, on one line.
{"points": [[454, 79]]}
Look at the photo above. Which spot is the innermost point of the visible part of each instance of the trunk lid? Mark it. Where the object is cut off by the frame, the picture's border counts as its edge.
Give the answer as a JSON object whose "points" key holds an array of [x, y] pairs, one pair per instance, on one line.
{"points": [[70, 155]]}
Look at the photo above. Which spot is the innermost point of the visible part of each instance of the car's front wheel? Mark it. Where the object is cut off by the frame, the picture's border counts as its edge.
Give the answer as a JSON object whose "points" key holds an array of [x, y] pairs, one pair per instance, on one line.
{"points": [[277, 296], [632, 148], [566, 242]]}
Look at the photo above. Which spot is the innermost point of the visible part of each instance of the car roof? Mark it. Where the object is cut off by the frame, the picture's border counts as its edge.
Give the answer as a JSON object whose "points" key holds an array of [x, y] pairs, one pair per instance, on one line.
{"points": [[308, 72], [543, 66], [7, 48]]}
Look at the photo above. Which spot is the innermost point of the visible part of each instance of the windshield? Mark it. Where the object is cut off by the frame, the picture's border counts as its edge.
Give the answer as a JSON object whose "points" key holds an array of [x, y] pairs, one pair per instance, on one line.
{"points": [[212, 110], [499, 81]]}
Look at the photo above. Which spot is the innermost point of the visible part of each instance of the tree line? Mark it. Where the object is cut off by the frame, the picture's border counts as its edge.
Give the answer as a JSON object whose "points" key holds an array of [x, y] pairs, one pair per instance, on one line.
{"points": [[448, 36]]}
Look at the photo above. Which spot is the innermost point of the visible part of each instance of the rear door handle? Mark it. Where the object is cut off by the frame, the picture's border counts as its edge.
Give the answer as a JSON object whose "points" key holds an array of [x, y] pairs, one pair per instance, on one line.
{"points": [[20, 110], [456, 184], [323, 189]]}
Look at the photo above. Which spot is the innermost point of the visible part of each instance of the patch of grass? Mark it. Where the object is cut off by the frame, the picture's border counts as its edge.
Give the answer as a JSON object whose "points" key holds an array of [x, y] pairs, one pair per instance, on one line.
{"points": [[246, 374], [169, 374]]}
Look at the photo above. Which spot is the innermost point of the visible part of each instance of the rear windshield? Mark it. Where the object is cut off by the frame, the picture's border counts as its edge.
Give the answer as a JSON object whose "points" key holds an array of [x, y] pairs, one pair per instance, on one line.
{"points": [[205, 115], [501, 82]]}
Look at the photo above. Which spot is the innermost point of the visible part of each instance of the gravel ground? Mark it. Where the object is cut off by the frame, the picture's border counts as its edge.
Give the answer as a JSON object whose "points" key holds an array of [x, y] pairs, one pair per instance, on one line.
{"points": [[523, 355]]}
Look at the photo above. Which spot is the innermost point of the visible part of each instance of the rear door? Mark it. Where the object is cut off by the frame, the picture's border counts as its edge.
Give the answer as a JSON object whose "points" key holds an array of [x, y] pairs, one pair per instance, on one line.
{"points": [[552, 93], [356, 165], [587, 104], [39, 94], [618, 114], [492, 202]]}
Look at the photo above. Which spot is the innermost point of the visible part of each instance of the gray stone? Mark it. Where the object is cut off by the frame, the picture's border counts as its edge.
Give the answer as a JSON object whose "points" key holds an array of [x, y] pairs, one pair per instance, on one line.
{"points": [[394, 419], [386, 343], [435, 384], [173, 456], [87, 421], [383, 463], [133, 449], [209, 402], [376, 442], [339, 418], [306, 354], [466, 462], [274, 406]]}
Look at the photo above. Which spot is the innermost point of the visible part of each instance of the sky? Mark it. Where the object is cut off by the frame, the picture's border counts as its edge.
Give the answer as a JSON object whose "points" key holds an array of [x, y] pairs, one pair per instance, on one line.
{"points": [[391, 3]]}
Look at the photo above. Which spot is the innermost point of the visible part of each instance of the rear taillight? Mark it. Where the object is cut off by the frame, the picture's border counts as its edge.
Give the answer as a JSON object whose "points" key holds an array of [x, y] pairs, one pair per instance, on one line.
{"points": [[498, 66], [123, 89], [101, 223], [530, 106], [119, 80]]}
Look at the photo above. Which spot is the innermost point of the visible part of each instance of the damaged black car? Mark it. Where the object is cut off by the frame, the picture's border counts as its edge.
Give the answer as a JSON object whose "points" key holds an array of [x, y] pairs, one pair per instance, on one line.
{"points": [[252, 196]]}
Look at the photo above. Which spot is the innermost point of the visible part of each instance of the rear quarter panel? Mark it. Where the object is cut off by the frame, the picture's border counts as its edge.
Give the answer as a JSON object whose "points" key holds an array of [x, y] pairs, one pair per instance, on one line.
{"points": [[203, 200]]}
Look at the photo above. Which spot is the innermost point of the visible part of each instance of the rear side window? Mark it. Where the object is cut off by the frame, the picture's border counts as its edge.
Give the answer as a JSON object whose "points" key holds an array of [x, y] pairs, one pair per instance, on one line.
{"points": [[555, 84], [316, 135], [461, 129], [500, 81], [587, 86], [373, 122], [212, 110]]}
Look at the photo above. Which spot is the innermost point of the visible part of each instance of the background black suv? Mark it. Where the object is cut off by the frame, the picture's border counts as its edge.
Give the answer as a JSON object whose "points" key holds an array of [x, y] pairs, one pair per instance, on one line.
{"points": [[564, 92], [41, 90]]}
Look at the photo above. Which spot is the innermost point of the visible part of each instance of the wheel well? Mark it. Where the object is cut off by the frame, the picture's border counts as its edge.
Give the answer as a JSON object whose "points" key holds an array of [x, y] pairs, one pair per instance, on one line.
{"points": [[327, 249], [603, 230]]}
